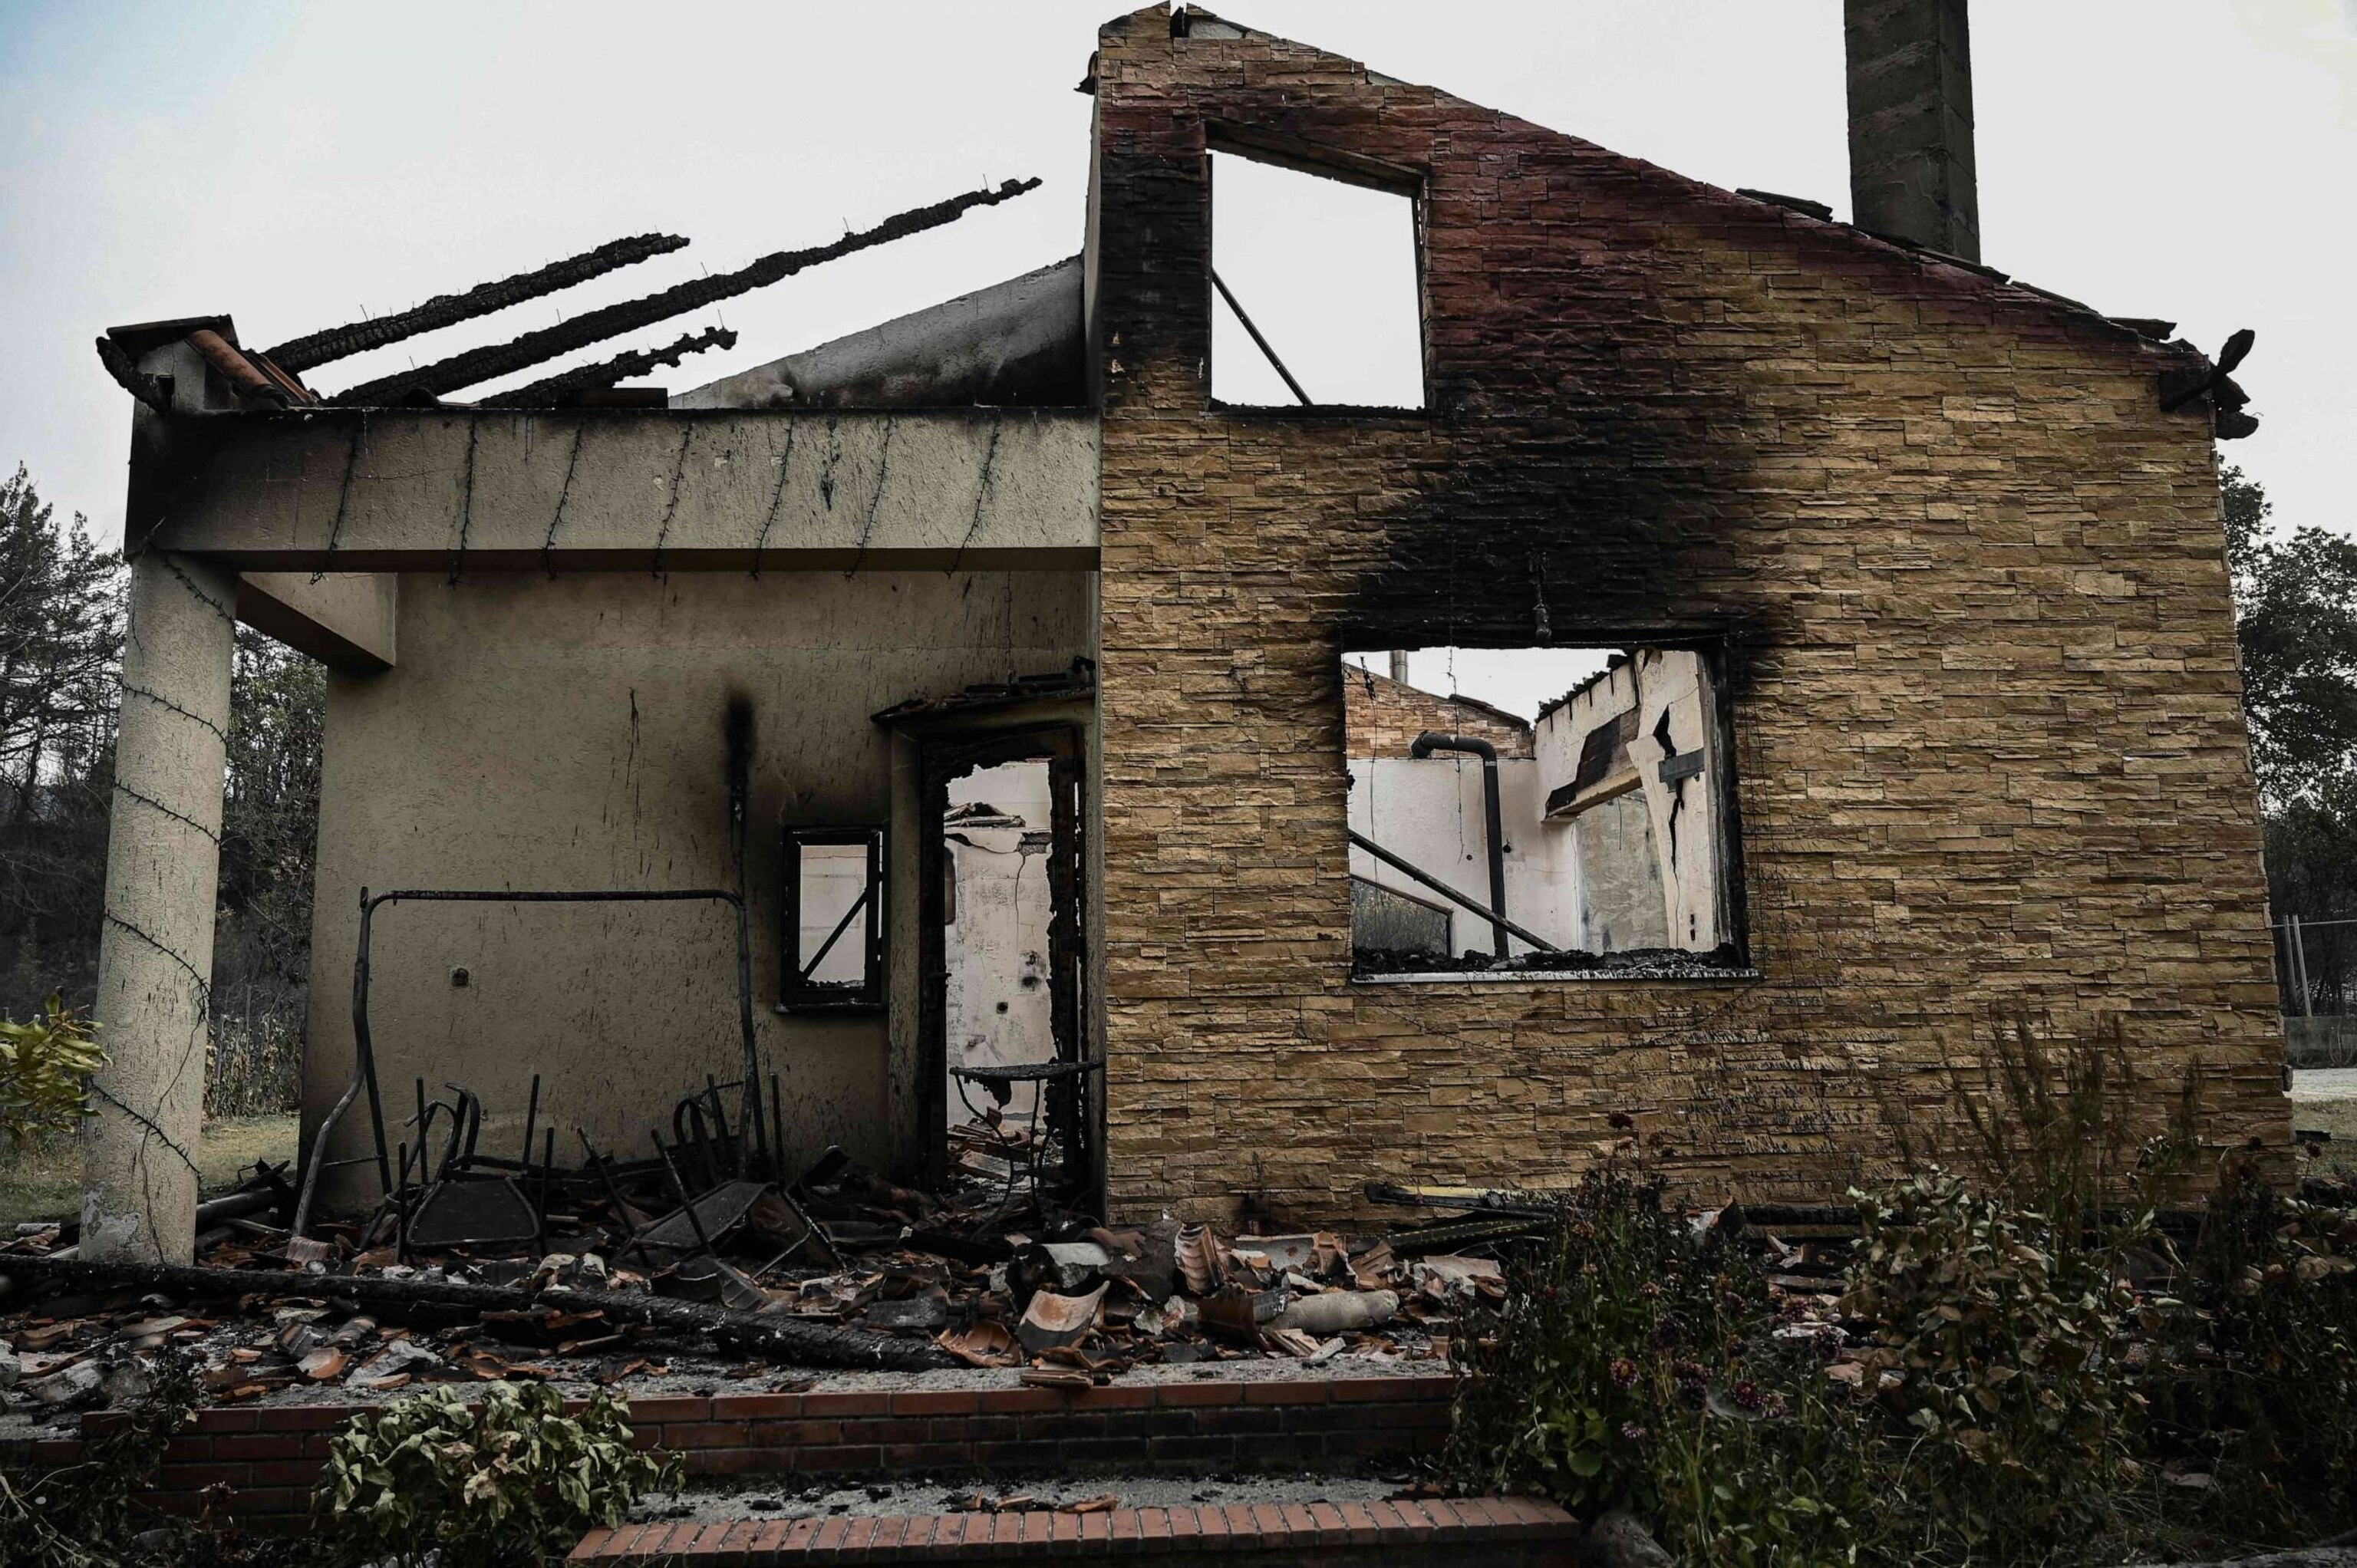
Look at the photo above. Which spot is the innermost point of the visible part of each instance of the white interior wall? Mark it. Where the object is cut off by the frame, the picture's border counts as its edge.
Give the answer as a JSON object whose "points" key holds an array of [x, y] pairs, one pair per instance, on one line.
{"points": [[1684, 811], [1429, 811], [1654, 681], [997, 1008]]}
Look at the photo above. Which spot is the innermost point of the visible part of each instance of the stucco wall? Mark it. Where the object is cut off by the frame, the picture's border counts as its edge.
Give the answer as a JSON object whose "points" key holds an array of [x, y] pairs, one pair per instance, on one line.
{"points": [[567, 733], [1989, 752]]}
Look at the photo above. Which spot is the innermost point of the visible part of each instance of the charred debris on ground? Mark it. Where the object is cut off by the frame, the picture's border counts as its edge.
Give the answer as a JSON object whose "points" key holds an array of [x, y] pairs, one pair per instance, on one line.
{"points": [[689, 1262]]}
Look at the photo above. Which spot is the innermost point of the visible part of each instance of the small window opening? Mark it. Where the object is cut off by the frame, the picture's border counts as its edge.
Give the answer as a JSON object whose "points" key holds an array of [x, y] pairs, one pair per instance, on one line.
{"points": [[1315, 296], [1544, 809], [834, 895]]}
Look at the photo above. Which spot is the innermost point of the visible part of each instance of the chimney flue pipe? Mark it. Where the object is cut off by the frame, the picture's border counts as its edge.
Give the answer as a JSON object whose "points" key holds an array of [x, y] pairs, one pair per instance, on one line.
{"points": [[1425, 746]]}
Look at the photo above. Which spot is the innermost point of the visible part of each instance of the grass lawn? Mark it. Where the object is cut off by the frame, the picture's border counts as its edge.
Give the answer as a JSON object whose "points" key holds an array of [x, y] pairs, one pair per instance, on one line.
{"points": [[43, 1180]]}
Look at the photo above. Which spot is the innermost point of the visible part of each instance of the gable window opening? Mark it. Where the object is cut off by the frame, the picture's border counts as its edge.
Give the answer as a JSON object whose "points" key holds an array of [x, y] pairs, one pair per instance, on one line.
{"points": [[1316, 295], [1542, 810]]}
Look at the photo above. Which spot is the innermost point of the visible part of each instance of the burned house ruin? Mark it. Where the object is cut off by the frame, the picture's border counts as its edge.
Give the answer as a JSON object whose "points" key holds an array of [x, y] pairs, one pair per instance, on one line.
{"points": [[974, 688]]}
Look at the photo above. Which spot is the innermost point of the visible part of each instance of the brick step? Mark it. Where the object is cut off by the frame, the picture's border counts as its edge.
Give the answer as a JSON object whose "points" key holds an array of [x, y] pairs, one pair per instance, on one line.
{"points": [[1511, 1532]]}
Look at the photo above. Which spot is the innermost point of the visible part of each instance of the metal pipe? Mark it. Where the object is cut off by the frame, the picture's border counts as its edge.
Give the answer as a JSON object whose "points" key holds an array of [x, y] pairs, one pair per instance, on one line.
{"points": [[1229, 296], [364, 1047], [319, 1154], [531, 1116], [1431, 741], [398, 1200], [548, 1170], [604, 1168], [1445, 891], [360, 1036]]}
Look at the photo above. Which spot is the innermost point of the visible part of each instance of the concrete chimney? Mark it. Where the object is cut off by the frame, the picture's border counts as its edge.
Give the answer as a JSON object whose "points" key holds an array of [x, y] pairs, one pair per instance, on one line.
{"points": [[1911, 122]]}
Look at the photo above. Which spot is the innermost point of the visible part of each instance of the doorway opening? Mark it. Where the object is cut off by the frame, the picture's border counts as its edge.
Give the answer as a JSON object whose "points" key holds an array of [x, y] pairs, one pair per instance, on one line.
{"points": [[1003, 1045], [996, 839]]}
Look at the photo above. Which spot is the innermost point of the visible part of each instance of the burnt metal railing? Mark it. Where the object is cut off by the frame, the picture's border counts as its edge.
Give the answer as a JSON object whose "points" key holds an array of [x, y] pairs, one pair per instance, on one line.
{"points": [[364, 1053]]}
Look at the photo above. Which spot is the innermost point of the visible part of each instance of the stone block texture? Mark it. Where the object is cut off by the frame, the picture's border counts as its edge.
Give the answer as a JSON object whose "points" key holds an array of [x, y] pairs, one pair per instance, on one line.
{"points": [[1382, 718], [1963, 579]]}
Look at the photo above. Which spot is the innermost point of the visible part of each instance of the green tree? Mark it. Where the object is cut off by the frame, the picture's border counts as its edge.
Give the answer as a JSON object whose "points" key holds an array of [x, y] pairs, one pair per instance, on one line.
{"points": [[2295, 621], [2295, 618], [270, 817], [60, 634], [61, 648]]}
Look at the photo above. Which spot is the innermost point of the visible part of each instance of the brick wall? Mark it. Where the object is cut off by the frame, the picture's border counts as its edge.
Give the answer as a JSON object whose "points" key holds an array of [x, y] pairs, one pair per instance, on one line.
{"points": [[1382, 718], [1967, 579], [269, 1457]]}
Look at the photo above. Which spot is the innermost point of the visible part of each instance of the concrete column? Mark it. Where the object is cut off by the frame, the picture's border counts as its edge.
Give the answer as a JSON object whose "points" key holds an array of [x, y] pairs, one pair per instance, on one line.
{"points": [[163, 876]]}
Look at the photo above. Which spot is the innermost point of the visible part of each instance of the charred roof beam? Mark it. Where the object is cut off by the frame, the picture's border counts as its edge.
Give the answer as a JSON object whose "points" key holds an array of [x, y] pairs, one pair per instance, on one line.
{"points": [[497, 359], [551, 391], [483, 299]]}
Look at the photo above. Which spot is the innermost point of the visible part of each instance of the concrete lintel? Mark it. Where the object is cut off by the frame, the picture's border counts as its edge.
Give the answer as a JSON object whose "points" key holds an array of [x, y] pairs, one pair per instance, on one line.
{"points": [[345, 620], [449, 488]]}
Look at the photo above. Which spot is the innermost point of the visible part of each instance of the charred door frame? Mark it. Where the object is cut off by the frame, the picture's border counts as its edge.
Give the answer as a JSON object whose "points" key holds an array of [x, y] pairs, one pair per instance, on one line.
{"points": [[943, 757]]}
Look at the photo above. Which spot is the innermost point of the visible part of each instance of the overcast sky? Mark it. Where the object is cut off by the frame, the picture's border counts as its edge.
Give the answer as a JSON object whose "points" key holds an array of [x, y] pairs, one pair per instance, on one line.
{"points": [[301, 167]]}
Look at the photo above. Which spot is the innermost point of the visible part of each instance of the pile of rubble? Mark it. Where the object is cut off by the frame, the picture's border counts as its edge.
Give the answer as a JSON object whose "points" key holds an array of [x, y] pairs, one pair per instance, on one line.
{"points": [[746, 1278]]}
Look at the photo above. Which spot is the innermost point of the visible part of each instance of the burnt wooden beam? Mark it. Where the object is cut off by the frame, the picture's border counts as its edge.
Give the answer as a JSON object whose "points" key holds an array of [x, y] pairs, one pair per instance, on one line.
{"points": [[551, 392], [804, 1344], [497, 359], [449, 309]]}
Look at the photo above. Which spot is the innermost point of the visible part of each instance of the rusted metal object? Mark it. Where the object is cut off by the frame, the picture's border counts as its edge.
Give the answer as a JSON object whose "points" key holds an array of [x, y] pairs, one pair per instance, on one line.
{"points": [[496, 360], [554, 390], [304, 353], [1431, 741], [243, 379]]}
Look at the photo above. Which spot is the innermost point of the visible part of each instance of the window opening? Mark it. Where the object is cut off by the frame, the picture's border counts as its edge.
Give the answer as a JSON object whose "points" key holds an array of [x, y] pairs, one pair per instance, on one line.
{"points": [[1547, 809], [1316, 290], [834, 895]]}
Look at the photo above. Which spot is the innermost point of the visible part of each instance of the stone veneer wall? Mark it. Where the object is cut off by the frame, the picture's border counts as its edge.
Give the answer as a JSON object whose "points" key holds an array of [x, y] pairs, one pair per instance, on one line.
{"points": [[1383, 716], [1967, 579]]}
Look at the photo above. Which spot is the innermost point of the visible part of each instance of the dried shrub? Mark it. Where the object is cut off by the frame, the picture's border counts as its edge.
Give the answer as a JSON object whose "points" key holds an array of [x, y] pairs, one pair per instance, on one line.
{"points": [[1632, 1366], [2028, 1371], [257, 1066], [2002, 1350], [86, 1514], [2254, 1382]]}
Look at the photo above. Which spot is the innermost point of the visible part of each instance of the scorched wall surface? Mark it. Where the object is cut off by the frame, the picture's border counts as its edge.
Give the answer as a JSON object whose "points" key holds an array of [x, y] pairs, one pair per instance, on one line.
{"points": [[1988, 750], [567, 732]]}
